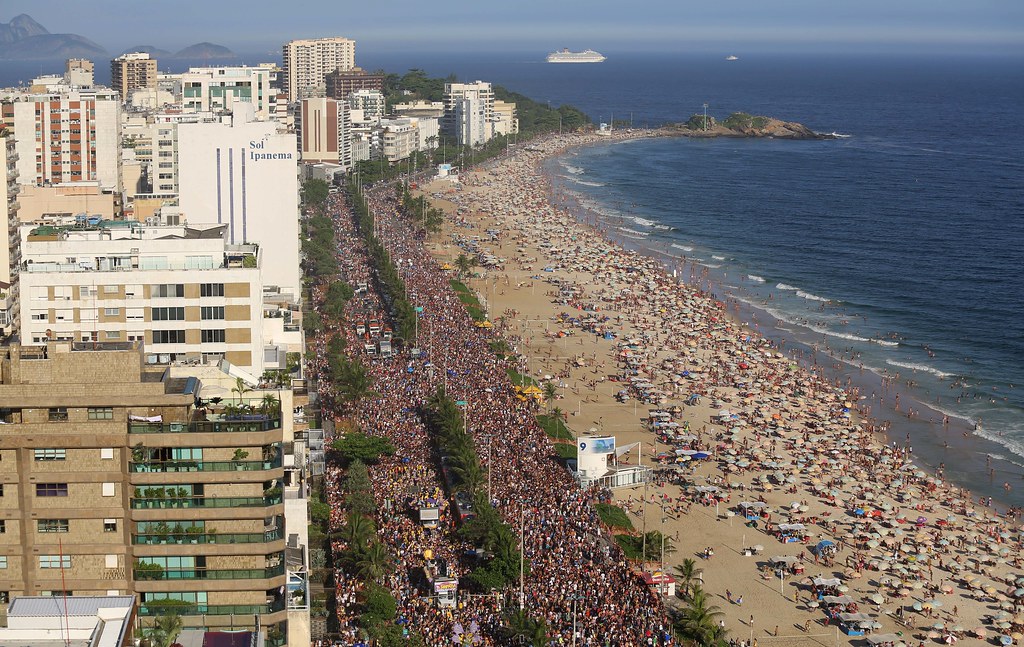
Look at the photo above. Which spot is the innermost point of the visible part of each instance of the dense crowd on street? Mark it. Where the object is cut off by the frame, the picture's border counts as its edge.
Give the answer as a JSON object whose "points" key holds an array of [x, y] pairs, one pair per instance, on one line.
{"points": [[575, 575]]}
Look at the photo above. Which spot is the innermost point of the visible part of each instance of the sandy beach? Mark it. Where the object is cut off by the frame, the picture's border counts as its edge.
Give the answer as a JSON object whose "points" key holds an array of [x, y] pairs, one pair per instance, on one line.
{"points": [[621, 337]]}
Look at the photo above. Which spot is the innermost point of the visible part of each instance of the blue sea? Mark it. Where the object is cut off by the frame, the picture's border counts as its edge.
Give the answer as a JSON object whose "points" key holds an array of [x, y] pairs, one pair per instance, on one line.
{"points": [[895, 250], [892, 251]]}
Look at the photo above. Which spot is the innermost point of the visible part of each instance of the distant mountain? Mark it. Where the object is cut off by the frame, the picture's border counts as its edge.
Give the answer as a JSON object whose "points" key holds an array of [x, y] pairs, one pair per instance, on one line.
{"points": [[154, 52], [206, 50], [24, 39]]}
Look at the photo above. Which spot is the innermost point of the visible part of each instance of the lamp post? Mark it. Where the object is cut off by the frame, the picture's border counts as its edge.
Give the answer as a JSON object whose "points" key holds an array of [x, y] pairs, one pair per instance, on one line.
{"points": [[522, 556]]}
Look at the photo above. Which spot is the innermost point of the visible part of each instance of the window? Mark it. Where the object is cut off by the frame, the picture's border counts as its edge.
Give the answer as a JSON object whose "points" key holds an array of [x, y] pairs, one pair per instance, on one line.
{"points": [[111, 289], [211, 312], [135, 314], [168, 290], [168, 336], [52, 525], [3, 561], [51, 489], [211, 290], [100, 413], [3, 526], [55, 561], [211, 336], [40, 315], [58, 414], [111, 334], [108, 489], [110, 525], [168, 314], [111, 312], [51, 454], [106, 453]]}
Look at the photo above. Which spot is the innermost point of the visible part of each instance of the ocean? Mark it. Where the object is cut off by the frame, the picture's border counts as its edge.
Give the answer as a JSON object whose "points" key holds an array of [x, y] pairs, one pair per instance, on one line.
{"points": [[892, 251]]}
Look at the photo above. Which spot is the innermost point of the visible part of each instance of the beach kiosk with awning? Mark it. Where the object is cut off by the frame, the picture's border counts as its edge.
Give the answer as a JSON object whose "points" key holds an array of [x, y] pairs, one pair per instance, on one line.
{"points": [[853, 624], [752, 509], [884, 640], [661, 582]]}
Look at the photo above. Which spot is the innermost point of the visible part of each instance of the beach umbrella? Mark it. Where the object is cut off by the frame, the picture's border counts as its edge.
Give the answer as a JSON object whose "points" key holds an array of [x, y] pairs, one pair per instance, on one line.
{"points": [[1005, 640], [980, 632], [876, 598], [813, 604]]}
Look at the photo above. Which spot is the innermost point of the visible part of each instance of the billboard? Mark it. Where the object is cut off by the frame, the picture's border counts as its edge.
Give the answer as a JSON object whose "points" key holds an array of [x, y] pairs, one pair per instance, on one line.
{"points": [[597, 445]]}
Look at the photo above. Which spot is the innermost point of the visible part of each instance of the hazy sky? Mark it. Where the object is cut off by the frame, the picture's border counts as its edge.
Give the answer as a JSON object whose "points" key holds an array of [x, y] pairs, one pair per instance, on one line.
{"points": [[450, 25]]}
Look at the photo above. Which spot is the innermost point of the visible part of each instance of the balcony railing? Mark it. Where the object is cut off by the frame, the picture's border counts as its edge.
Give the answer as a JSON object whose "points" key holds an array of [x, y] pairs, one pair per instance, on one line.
{"points": [[186, 609], [206, 502], [210, 573], [205, 466], [208, 538], [245, 424]]}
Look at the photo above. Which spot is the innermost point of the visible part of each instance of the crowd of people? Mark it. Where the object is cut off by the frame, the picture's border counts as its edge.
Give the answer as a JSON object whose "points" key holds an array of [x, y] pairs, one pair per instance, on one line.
{"points": [[574, 575]]}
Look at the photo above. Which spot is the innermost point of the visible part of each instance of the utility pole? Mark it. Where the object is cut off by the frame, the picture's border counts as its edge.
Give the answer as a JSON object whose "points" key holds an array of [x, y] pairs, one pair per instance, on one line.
{"points": [[522, 555]]}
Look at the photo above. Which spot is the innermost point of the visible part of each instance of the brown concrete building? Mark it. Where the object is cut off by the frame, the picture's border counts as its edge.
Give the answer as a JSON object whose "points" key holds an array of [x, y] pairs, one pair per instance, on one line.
{"points": [[116, 479], [341, 83], [132, 71]]}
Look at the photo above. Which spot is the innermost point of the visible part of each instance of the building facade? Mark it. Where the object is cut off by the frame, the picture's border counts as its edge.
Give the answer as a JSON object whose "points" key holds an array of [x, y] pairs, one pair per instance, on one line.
{"points": [[307, 62], [244, 174], [184, 292], [80, 72], [468, 112], [10, 252], [339, 84], [132, 71], [118, 479], [71, 136], [325, 132], [213, 89]]}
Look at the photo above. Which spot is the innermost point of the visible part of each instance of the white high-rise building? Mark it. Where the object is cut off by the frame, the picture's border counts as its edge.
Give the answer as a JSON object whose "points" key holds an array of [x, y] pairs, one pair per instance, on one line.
{"points": [[308, 61], [69, 136], [469, 112], [213, 89], [10, 253], [245, 174]]}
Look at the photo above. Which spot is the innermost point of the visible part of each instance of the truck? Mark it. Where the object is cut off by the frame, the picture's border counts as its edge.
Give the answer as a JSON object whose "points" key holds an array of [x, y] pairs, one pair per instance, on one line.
{"points": [[430, 516], [444, 587], [385, 348]]}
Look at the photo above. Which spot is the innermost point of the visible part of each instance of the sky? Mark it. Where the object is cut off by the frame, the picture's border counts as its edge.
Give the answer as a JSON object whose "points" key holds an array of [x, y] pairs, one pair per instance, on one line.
{"points": [[258, 26]]}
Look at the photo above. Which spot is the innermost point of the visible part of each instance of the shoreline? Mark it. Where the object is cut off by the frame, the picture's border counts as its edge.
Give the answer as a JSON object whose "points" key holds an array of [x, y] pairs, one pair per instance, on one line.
{"points": [[927, 434], [491, 202]]}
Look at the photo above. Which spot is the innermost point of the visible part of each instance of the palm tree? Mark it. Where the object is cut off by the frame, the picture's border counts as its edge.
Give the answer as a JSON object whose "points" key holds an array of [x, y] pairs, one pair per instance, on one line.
{"points": [[550, 393], [687, 572], [241, 388], [699, 620], [271, 405], [375, 562], [165, 629], [463, 264], [358, 532]]}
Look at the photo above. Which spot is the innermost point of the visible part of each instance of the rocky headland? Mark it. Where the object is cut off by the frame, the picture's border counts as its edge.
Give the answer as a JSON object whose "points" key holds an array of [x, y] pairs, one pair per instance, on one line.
{"points": [[741, 124]]}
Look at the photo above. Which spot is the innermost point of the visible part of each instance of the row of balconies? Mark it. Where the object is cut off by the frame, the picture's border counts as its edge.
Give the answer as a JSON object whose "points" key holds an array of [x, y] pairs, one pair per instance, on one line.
{"points": [[242, 425], [200, 537], [197, 573], [178, 466], [140, 503], [190, 609]]}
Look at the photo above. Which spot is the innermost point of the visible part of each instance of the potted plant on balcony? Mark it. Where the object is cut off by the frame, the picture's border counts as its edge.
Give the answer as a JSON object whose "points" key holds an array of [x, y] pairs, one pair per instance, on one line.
{"points": [[240, 455], [211, 535], [162, 530], [149, 497], [272, 493], [193, 532], [148, 571], [178, 533], [183, 495], [140, 456], [160, 494]]}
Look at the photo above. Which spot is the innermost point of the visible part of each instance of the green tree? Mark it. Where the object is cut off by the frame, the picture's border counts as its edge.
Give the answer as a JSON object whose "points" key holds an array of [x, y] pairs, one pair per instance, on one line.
{"points": [[687, 573], [464, 264], [357, 446], [315, 193], [699, 620], [375, 563], [241, 388], [165, 629], [550, 392]]}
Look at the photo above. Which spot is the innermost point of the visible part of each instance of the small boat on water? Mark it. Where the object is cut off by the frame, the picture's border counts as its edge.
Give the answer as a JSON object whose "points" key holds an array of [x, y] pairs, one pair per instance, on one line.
{"points": [[732, 58]]}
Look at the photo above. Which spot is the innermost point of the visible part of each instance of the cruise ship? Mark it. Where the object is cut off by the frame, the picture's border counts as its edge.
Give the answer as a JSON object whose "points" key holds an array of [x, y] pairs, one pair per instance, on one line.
{"points": [[565, 56]]}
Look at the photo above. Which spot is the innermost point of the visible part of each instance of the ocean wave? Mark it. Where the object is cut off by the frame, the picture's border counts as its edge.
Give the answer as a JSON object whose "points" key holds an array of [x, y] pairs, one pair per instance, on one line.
{"points": [[1005, 439], [633, 231], [575, 170], [919, 367], [753, 277], [885, 342], [584, 182], [713, 266], [839, 335], [783, 286], [809, 296], [643, 222], [665, 227], [718, 258], [682, 247]]}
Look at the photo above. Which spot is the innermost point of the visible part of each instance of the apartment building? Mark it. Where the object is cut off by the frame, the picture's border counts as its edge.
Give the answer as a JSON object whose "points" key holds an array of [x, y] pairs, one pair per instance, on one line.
{"points": [[117, 479], [80, 72], [368, 103], [325, 132], [10, 252], [214, 89], [307, 62], [505, 120], [70, 135], [132, 71], [184, 291], [399, 139], [339, 84], [468, 112]]}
